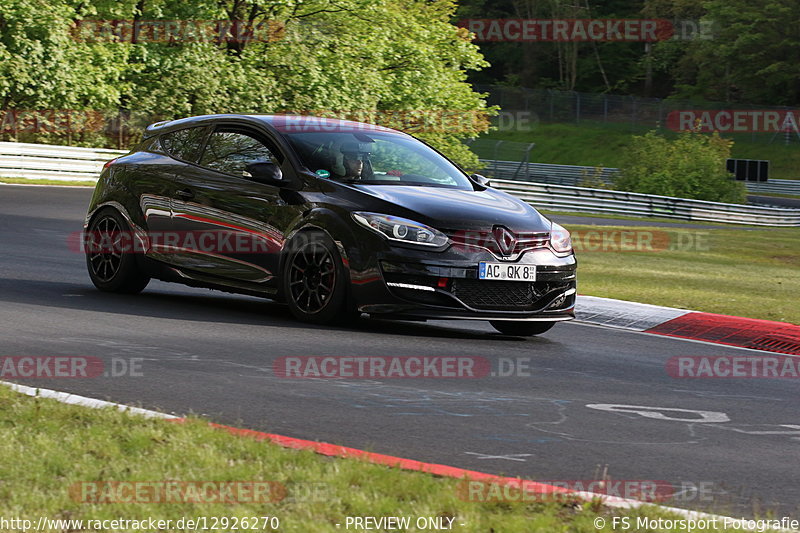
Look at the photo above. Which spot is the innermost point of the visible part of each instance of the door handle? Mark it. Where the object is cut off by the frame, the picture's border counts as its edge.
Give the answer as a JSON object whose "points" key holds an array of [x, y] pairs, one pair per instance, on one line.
{"points": [[186, 194]]}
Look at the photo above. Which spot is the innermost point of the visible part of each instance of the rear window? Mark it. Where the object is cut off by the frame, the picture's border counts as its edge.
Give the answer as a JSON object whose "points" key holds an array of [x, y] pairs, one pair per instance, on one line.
{"points": [[184, 144]]}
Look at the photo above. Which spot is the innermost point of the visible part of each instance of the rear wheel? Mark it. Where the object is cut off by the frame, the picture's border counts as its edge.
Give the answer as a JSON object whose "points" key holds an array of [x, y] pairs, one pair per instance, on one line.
{"points": [[111, 267], [314, 281], [521, 329]]}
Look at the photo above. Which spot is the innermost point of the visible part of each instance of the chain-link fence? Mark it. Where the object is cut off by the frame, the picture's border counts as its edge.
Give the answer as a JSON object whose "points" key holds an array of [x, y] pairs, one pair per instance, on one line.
{"points": [[496, 150], [635, 114]]}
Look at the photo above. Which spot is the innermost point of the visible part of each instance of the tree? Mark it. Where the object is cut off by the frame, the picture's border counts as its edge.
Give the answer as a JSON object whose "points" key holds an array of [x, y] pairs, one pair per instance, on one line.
{"points": [[691, 166], [343, 58], [754, 56]]}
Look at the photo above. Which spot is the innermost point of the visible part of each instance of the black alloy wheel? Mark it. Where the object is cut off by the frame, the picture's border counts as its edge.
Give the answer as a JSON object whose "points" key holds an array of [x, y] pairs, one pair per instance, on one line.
{"points": [[112, 267]]}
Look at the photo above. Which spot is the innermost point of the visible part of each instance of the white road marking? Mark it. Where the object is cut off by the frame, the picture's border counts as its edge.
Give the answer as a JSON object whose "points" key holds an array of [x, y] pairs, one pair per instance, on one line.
{"points": [[74, 399], [509, 457], [713, 417]]}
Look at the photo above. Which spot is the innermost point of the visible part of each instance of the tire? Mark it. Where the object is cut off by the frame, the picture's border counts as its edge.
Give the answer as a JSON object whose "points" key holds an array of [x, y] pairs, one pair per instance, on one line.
{"points": [[110, 269], [314, 281], [521, 329]]}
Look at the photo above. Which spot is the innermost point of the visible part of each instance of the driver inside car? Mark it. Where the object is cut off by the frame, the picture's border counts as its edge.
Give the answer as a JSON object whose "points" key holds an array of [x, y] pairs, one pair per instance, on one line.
{"points": [[355, 162]]}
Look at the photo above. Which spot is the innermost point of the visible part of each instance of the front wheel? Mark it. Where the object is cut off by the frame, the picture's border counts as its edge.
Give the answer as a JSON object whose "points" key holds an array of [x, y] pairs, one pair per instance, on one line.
{"points": [[521, 329], [314, 281]]}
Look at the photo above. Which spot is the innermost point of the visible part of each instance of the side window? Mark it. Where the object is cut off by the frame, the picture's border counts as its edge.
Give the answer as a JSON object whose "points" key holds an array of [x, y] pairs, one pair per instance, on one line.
{"points": [[183, 144], [231, 151]]}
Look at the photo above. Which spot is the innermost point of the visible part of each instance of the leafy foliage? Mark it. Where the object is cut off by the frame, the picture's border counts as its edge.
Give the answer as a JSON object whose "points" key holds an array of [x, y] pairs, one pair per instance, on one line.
{"points": [[691, 166], [754, 57], [721, 50], [340, 58]]}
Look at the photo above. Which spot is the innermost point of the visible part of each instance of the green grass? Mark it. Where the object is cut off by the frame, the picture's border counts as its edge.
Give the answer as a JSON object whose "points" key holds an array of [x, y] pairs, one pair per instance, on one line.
{"points": [[742, 272], [28, 181], [47, 447], [646, 221], [598, 144]]}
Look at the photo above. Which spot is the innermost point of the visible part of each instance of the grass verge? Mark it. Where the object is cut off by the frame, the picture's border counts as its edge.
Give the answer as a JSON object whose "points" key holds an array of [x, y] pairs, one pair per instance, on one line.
{"points": [[649, 221], [598, 144], [48, 447], [743, 272], [28, 181]]}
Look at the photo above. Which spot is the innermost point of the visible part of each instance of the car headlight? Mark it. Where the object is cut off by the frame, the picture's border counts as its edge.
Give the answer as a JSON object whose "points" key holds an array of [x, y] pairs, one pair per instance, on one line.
{"points": [[401, 229], [560, 241]]}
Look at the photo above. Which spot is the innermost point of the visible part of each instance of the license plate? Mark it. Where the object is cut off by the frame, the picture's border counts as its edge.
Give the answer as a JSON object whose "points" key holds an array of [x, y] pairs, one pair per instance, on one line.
{"points": [[506, 272]]}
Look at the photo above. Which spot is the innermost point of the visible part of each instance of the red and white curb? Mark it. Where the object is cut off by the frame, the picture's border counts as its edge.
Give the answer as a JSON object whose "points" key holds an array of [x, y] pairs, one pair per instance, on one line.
{"points": [[766, 335], [333, 450]]}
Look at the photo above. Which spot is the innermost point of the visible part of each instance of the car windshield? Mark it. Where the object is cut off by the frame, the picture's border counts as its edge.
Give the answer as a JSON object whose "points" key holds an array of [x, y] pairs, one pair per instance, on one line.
{"points": [[376, 158]]}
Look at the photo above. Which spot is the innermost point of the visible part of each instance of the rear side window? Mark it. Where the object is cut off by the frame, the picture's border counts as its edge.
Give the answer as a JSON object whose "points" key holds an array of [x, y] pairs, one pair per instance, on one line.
{"points": [[183, 144], [149, 145], [231, 151]]}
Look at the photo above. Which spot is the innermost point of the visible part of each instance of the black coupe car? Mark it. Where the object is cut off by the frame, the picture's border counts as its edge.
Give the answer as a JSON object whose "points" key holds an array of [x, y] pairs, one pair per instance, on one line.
{"points": [[336, 218]]}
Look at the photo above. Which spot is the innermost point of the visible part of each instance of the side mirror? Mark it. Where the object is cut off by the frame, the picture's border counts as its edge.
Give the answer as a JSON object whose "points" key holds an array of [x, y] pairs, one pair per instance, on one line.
{"points": [[480, 180], [265, 172]]}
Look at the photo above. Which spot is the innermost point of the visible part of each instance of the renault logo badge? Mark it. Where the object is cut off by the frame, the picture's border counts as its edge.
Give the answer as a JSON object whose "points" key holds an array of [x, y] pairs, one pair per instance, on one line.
{"points": [[505, 239]]}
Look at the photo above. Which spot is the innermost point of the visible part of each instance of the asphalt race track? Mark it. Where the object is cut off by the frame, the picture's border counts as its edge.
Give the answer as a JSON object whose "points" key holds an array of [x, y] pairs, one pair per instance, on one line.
{"points": [[211, 353]]}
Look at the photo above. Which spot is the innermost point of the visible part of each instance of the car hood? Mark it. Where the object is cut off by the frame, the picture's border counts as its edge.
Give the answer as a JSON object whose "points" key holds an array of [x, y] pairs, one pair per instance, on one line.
{"points": [[459, 209]]}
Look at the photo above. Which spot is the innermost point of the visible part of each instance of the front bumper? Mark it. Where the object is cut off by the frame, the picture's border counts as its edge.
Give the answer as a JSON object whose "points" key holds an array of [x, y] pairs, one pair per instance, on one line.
{"points": [[445, 285]]}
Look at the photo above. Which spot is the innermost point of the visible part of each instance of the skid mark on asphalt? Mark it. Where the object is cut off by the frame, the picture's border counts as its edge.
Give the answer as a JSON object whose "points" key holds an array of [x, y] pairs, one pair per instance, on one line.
{"points": [[518, 437], [713, 394], [112, 347], [414, 401]]}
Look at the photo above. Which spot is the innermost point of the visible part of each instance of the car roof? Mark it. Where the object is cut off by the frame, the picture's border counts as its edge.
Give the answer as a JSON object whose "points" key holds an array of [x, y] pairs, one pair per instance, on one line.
{"points": [[282, 123]]}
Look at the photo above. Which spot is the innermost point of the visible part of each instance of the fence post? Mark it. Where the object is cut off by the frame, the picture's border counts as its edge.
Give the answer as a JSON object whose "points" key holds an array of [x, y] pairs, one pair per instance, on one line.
{"points": [[577, 108], [605, 108], [528, 159], [494, 152]]}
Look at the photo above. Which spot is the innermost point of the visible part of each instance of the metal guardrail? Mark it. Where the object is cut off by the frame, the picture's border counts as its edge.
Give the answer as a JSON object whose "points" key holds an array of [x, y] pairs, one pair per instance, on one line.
{"points": [[600, 109], [38, 161], [573, 175], [546, 173], [774, 186], [43, 161], [581, 199]]}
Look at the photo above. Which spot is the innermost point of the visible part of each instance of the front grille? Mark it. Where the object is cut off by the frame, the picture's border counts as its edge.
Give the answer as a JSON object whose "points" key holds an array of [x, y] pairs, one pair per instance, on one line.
{"points": [[504, 295], [485, 239]]}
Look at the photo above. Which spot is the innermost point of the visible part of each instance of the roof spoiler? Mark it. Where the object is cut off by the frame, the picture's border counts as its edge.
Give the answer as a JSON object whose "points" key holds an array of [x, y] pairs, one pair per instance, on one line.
{"points": [[154, 128]]}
